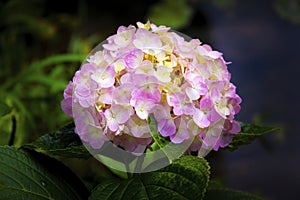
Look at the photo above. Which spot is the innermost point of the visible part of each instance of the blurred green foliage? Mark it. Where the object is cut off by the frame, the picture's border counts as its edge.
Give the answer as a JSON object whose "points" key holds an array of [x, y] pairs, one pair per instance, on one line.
{"points": [[176, 14], [40, 51], [288, 10]]}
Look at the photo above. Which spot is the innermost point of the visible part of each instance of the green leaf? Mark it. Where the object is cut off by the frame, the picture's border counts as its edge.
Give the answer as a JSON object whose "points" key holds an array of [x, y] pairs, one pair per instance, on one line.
{"points": [[4, 109], [63, 142], [29, 175], [217, 191], [105, 190], [186, 178], [51, 82], [171, 150], [160, 141], [108, 161], [248, 133], [7, 129], [175, 14], [40, 64], [55, 59], [163, 152], [288, 10]]}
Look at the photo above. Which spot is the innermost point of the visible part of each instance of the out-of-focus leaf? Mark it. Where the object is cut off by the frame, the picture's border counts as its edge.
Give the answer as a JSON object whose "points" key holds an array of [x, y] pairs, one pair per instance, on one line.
{"points": [[217, 191], [37, 26], [175, 14], [54, 84], [288, 9], [5, 137], [186, 178], [38, 65], [224, 3], [4, 109], [248, 133], [28, 175], [56, 59], [79, 45], [7, 129], [63, 142]]}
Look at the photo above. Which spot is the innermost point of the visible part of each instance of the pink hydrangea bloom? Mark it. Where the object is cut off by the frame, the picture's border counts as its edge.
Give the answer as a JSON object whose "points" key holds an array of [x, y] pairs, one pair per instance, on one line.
{"points": [[66, 103], [151, 69]]}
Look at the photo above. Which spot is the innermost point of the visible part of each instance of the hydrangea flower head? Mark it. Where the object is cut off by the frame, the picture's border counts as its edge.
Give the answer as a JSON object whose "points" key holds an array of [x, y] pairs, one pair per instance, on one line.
{"points": [[148, 69]]}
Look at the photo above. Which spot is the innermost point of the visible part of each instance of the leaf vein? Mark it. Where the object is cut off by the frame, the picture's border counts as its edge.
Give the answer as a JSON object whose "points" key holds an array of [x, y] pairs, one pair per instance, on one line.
{"points": [[25, 175], [36, 170], [11, 178], [23, 190], [167, 188]]}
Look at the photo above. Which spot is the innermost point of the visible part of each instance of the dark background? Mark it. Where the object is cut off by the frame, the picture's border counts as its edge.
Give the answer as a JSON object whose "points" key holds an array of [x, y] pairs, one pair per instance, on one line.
{"points": [[259, 37]]}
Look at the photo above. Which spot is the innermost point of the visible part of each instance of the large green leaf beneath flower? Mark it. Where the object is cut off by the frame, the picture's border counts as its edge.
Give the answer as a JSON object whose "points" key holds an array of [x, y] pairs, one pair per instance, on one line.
{"points": [[186, 178], [29, 175], [218, 191], [63, 142], [4, 109], [248, 133]]}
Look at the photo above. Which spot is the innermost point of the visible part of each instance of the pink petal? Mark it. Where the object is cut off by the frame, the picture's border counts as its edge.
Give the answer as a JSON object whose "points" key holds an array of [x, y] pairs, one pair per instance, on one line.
{"points": [[106, 95], [122, 114], [147, 41], [122, 94], [66, 103], [66, 106], [143, 107], [134, 58], [192, 93], [138, 127], [148, 92], [201, 119], [206, 104], [111, 121], [224, 141], [166, 127], [182, 132], [105, 77], [188, 108], [236, 128], [68, 92], [84, 95]]}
